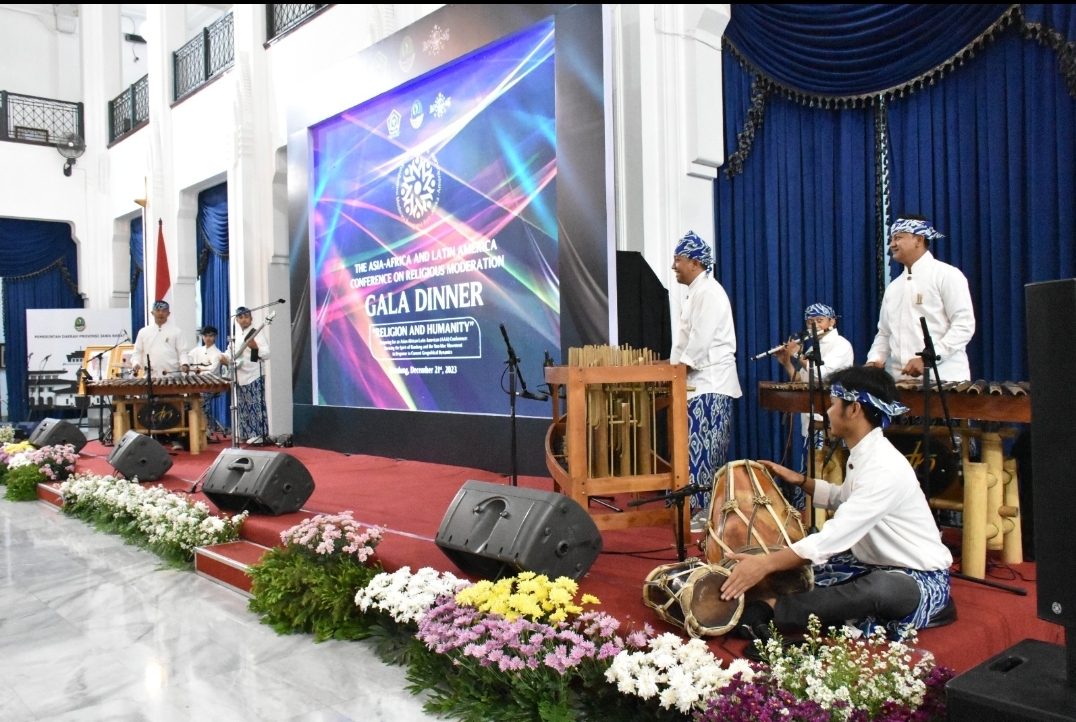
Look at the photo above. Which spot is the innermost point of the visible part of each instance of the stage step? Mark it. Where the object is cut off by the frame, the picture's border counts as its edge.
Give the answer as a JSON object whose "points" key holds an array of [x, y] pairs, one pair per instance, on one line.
{"points": [[50, 494], [227, 564]]}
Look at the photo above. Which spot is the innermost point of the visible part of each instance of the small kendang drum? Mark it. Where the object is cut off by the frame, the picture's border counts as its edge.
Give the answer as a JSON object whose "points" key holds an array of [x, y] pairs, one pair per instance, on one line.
{"points": [[748, 509], [687, 594]]}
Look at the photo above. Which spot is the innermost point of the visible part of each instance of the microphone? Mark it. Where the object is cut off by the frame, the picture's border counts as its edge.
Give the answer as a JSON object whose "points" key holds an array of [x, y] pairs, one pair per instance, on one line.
{"points": [[47, 357], [534, 395], [280, 300]]}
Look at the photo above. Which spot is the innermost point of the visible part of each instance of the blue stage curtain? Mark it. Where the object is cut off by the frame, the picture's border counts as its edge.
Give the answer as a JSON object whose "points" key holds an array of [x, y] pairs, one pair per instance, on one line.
{"points": [[988, 154], [843, 50], [138, 278], [212, 229], [39, 265], [796, 227]]}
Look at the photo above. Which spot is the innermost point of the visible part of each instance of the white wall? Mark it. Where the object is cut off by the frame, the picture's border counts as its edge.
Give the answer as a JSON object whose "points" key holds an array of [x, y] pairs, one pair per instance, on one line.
{"points": [[35, 59]]}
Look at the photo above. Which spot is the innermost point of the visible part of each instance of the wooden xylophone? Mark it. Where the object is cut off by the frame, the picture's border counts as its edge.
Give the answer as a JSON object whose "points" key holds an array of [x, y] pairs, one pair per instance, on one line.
{"points": [[179, 384], [1006, 401]]}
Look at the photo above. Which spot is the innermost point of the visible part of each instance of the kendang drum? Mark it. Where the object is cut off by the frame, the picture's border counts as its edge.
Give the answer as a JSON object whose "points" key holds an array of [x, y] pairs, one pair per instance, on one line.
{"points": [[748, 509], [687, 594]]}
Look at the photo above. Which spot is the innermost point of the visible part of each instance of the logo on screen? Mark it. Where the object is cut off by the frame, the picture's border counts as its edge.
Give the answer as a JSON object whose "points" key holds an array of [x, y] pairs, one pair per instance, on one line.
{"points": [[418, 189], [394, 123], [416, 114], [440, 106], [80, 324], [407, 54]]}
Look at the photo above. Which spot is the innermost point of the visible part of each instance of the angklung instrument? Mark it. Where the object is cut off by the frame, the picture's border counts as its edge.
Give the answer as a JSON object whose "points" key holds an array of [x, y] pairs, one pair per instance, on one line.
{"points": [[604, 440], [989, 499]]}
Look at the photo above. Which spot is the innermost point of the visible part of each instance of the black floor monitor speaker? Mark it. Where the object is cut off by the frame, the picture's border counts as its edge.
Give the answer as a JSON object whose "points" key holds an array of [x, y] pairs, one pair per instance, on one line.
{"points": [[56, 432], [261, 482], [139, 456], [493, 530]]}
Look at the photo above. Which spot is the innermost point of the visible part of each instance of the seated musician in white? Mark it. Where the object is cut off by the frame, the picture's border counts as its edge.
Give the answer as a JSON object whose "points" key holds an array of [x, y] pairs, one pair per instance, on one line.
{"points": [[161, 345], [880, 558], [206, 359]]}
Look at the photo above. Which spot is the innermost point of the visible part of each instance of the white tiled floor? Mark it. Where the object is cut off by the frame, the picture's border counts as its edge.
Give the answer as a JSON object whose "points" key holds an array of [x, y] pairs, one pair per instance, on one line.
{"points": [[93, 629]]}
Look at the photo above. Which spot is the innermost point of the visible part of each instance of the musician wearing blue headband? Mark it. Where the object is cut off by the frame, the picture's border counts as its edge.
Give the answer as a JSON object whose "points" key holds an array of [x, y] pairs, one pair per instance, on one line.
{"points": [[927, 288], [880, 559], [161, 345], [705, 341], [250, 351]]}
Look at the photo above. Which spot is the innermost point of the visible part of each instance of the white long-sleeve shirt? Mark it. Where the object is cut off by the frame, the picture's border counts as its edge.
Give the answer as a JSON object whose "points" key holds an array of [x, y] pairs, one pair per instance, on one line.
{"points": [[837, 354], [706, 340], [938, 292], [880, 514], [206, 360], [247, 371], [166, 347]]}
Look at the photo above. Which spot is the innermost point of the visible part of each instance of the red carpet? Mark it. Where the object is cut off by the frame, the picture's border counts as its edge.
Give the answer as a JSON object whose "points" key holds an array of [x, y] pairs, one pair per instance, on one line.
{"points": [[409, 499]]}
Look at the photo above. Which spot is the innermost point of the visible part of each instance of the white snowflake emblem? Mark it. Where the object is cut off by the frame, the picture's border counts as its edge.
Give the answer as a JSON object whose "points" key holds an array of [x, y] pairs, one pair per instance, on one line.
{"points": [[440, 106], [418, 189], [436, 41]]}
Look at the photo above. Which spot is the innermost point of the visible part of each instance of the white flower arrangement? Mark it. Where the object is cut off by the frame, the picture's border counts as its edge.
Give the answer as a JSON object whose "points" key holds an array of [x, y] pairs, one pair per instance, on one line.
{"points": [[680, 674], [7, 434], [163, 517], [863, 672], [407, 597]]}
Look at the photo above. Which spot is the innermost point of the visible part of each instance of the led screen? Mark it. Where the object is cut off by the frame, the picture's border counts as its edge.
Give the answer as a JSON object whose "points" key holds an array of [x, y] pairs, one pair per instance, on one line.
{"points": [[433, 220]]}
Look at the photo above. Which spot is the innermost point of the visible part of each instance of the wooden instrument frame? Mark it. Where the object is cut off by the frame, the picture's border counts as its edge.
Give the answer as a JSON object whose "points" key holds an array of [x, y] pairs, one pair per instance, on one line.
{"points": [[576, 482]]}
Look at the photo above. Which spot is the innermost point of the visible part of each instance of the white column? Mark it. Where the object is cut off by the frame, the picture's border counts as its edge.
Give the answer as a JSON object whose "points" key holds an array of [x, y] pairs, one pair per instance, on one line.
{"points": [[101, 82]]}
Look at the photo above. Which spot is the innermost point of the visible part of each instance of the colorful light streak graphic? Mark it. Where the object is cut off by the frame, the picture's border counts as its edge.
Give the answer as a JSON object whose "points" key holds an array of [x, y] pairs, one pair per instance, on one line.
{"points": [[464, 200]]}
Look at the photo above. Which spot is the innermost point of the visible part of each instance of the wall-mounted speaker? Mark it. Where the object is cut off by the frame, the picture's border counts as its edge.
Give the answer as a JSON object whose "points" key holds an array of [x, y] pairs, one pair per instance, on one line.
{"points": [[261, 482], [56, 432], [493, 530], [139, 456]]}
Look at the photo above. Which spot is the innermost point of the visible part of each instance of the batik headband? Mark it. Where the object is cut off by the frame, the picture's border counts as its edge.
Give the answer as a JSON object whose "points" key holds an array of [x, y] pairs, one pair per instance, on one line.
{"points": [[693, 247], [888, 410], [160, 306], [242, 311], [819, 310], [915, 227]]}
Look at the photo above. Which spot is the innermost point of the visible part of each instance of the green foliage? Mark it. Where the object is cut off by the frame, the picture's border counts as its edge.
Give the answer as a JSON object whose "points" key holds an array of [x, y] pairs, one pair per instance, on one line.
{"points": [[297, 591], [22, 483], [113, 521]]}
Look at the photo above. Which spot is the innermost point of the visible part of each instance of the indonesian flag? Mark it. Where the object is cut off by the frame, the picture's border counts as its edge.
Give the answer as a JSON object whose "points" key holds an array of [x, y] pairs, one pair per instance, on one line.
{"points": [[164, 278]]}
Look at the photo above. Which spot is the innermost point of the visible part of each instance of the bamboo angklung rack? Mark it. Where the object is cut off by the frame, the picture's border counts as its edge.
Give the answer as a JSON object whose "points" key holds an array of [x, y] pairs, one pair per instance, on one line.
{"points": [[604, 441]]}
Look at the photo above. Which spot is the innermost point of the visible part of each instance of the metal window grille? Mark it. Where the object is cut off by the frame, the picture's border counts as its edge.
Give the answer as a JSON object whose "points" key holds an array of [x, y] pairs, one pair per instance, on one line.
{"points": [[31, 119], [129, 111], [204, 57], [282, 18]]}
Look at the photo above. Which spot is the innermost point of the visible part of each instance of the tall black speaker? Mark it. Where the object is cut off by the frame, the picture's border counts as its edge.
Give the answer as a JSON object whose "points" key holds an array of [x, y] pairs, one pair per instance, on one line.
{"points": [[138, 455], [1035, 680], [493, 530], [261, 482], [56, 432]]}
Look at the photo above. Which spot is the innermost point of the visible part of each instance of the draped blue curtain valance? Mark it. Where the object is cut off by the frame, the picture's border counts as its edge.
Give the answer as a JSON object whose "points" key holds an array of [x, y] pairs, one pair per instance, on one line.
{"points": [[138, 278], [212, 230], [39, 266]]}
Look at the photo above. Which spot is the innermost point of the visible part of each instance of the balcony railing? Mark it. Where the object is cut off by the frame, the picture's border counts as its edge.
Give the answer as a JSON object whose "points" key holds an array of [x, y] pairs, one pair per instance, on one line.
{"points": [[206, 56], [279, 19], [129, 111], [29, 119]]}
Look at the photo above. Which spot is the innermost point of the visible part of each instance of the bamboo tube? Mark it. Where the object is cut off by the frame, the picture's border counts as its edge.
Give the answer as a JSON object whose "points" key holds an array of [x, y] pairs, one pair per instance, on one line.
{"points": [[1013, 547], [994, 460], [973, 560]]}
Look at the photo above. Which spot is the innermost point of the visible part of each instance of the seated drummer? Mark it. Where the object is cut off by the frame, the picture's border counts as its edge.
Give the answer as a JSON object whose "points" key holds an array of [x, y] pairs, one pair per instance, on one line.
{"points": [[880, 558], [837, 353]]}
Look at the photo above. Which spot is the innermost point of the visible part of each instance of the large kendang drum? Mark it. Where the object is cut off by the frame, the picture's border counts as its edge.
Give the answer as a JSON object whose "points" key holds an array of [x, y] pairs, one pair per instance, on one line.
{"points": [[748, 509]]}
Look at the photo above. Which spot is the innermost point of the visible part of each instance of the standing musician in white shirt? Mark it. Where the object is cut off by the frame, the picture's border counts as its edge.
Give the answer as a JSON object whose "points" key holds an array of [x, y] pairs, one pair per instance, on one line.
{"points": [[206, 359], [705, 341], [837, 354], [880, 559], [927, 289], [250, 350], [161, 345]]}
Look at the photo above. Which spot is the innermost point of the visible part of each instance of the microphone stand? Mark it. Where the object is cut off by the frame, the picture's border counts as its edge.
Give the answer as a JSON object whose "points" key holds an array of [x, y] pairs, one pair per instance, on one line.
{"points": [[105, 438], [29, 394], [676, 497], [930, 364], [814, 365], [514, 373]]}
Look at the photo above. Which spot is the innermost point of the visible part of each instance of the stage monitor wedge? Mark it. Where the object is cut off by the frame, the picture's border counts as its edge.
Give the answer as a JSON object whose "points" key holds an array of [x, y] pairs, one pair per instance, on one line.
{"points": [[494, 530], [56, 432], [261, 482], [139, 456]]}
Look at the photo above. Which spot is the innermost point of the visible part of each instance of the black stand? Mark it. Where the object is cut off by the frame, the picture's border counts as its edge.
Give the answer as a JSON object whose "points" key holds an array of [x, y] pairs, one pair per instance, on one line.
{"points": [[930, 365], [104, 436], [515, 374], [678, 498], [814, 371]]}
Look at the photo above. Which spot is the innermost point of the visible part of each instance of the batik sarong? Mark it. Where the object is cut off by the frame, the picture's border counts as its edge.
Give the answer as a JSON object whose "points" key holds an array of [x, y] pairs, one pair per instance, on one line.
{"points": [[709, 417], [253, 419]]}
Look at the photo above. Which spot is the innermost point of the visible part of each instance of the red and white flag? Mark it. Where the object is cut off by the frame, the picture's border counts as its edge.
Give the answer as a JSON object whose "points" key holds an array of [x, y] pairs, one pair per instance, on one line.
{"points": [[164, 278]]}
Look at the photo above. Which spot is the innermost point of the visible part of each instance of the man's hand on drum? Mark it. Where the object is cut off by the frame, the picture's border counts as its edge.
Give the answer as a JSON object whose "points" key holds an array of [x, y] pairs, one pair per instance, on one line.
{"points": [[751, 569], [784, 473]]}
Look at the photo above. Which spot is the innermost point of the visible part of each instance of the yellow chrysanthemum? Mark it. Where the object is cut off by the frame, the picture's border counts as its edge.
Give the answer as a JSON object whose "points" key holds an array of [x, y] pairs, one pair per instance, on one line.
{"points": [[589, 599]]}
